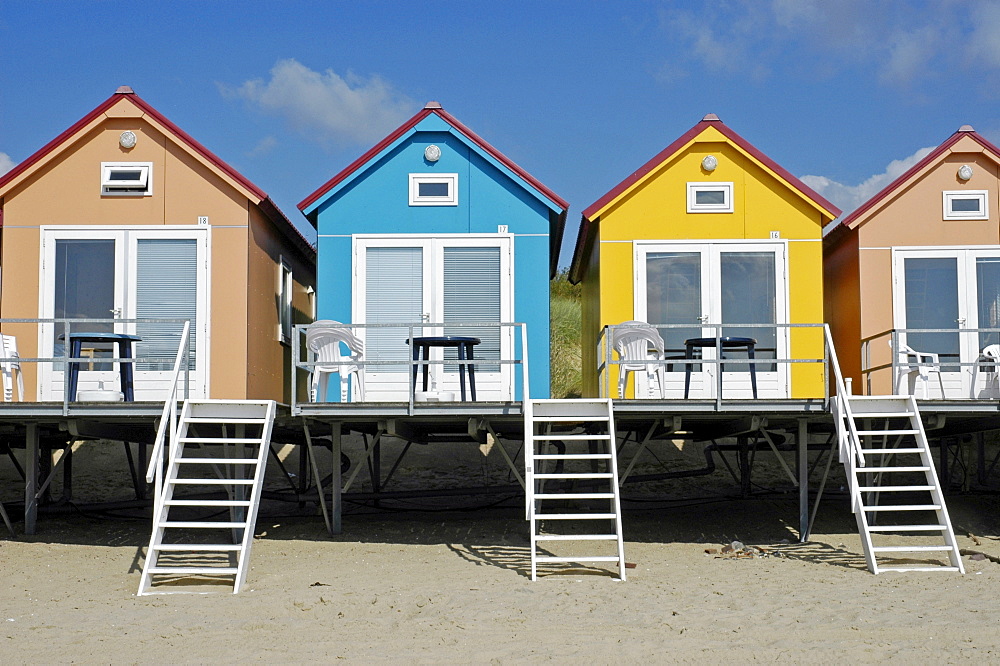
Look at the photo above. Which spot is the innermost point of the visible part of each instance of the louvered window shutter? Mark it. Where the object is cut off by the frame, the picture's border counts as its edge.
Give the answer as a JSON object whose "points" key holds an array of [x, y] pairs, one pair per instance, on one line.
{"points": [[166, 288], [472, 294], [394, 285]]}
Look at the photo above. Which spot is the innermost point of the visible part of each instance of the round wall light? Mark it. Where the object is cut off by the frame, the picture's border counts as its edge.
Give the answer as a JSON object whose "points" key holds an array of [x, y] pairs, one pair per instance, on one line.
{"points": [[432, 153], [964, 172], [127, 139], [709, 163]]}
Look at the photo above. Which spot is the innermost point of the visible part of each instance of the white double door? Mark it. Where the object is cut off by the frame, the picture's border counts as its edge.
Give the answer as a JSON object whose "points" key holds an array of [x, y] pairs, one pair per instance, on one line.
{"points": [[952, 291], [125, 273], [441, 280], [691, 286]]}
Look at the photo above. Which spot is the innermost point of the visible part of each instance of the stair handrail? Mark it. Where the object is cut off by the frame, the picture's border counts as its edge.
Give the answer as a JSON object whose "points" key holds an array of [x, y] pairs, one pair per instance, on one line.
{"points": [[842, 407], [168, 417]]}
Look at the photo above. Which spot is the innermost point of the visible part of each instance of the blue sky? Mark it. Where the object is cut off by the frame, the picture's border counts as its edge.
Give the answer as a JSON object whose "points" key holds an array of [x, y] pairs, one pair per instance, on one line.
{"points": [[580, 93]]}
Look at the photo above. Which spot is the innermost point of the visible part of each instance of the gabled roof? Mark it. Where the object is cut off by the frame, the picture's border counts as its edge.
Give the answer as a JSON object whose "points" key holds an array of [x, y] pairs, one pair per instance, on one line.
{"points": [[554, 202], [594, 211], [862, 212], [124, 93]]}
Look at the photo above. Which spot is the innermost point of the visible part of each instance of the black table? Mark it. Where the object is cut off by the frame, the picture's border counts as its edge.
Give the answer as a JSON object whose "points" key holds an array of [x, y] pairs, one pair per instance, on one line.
{"points": [[464, 346], [124, 342], [695, 345]]}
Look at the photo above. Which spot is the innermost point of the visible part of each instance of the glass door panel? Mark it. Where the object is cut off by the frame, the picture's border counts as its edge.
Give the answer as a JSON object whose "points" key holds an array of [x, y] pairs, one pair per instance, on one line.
{"points": [[988, 299], [674, 296], [85, 284], [931, 301], [747, 296]]}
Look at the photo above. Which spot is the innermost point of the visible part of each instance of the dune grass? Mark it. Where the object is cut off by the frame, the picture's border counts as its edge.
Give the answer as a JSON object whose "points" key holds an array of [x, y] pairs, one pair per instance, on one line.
{"points": [[565, 331]]}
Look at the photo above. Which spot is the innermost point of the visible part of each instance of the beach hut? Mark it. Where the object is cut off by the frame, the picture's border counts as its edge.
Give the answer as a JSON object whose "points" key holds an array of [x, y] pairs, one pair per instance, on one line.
{"points": [[124, 215], [913, 277], [430, 228], [710, 238]]}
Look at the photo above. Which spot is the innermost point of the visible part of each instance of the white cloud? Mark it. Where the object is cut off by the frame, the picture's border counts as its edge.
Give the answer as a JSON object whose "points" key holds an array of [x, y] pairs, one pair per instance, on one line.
{"points": [[900, 43], [6, 164], [849, 197], [263, 147], [332, 108], [984, 42]]}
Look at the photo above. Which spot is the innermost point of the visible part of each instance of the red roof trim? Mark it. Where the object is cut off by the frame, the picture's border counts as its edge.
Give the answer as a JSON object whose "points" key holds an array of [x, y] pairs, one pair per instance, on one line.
{"points": [[670, 150], [576, 267], [932, 156], [358, 163], [273, 212], [503, 159], [406, 127]]}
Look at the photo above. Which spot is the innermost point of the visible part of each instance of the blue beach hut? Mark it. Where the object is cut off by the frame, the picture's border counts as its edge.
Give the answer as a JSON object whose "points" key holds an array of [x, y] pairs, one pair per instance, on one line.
{"points": [[430, 228]]}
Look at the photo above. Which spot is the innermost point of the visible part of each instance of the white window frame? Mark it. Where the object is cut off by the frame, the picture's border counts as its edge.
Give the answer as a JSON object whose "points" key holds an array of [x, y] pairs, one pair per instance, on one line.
{"points": [[126, 188], [948, 196], [451, 179], [285, 289], [692, 194]]}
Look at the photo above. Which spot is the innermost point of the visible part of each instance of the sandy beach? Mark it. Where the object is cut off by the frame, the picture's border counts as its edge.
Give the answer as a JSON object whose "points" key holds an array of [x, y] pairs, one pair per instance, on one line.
{"points": [[431, 581]]}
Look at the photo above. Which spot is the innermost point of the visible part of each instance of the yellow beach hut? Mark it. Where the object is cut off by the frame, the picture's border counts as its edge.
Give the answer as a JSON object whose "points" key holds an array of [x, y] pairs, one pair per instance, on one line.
{"points": [[709, 239]]}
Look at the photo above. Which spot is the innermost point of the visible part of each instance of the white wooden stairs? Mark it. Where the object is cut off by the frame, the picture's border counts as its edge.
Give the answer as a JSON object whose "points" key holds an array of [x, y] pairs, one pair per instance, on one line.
{"points": [[571, 481], [217, 445], [895, 492]]}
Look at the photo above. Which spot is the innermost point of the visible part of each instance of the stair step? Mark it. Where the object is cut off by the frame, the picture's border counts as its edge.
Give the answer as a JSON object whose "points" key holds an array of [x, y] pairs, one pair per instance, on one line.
{"points": [[910, 549], [212, 482], [198, 524], [882, 415], [572, 456], [901, 468], [568, 496], [904, 507], [576, 537], [600, 558], [570, 438], [219, 440], [893, 489], [206, 503], [941, 568], [185, 547], [589, 475], [874, 451], [574, 516], [221, 419], [888, 432], [229, 571], [222, 461], [906, 528]]}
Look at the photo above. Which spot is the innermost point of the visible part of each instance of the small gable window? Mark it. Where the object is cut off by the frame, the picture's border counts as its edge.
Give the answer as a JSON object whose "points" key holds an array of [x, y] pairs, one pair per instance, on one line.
{"points": [[710, 197], [966, 205], [433, 189], [126, 179]]}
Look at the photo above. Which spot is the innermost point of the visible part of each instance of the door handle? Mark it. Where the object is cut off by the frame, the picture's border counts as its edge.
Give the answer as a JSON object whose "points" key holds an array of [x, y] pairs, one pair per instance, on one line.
{"points": [[960, 321], [116, 312], [703, 318]]}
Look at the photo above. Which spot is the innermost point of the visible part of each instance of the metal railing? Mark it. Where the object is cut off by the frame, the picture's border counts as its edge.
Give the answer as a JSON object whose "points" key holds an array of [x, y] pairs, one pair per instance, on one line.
{"points": [[62, 328], [889, 342], [168, 422], [607, 359], [516, 345]]}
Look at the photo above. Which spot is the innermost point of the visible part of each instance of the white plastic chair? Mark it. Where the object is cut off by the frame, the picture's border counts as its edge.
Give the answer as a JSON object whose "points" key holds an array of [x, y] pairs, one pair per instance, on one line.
{"points": [[324, 338], [987, 363], [637, 343], [8, 349], [908, 367]]}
